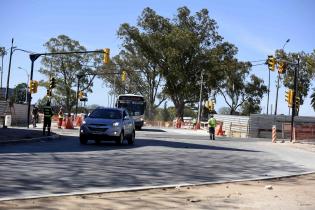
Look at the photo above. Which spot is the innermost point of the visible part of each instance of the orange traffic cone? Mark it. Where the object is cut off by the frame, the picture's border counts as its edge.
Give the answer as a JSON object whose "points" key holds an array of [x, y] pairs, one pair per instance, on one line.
{"points": [[78, 121], [219, 129], [69, 124]]}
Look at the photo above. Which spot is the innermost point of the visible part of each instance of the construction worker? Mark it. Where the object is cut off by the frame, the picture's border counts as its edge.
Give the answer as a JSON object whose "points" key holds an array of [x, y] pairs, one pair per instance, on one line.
{"points": [[60, 117], [212, 123], [47, 117]]}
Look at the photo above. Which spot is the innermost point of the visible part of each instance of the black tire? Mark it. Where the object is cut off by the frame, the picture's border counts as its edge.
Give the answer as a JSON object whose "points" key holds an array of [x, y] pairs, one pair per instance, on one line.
{"points": [[120, 139], [138, 128], [83, 140], [131, 138]]}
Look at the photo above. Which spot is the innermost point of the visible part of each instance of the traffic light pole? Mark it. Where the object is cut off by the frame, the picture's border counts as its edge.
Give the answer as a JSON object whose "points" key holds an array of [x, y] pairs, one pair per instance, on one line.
{"points": [[276, 106], [296, 74], [79, 76], [34, 57]]}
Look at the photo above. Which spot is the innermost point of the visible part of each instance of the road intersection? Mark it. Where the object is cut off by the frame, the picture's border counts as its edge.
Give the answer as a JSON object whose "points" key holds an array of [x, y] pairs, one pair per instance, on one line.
{"points": [[167, 157]]}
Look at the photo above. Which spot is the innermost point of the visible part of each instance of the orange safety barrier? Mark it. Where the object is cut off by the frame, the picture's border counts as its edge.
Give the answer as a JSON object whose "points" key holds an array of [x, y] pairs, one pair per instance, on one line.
{"points": [[68, 124], [274, 134]]}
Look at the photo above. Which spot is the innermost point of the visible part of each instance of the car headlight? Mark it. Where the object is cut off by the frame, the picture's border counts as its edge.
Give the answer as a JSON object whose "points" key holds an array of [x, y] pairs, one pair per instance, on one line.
{"points": [[115, 124], [141, 119], [83, 122]]}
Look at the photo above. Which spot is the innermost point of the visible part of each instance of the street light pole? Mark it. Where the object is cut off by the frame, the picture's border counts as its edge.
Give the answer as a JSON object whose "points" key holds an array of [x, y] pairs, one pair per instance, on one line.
{"points": [[268, 92], [276, 106]]}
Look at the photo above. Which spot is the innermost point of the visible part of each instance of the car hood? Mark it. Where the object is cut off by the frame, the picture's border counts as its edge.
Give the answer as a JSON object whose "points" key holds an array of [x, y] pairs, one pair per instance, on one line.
{"points": [[100, 121]]}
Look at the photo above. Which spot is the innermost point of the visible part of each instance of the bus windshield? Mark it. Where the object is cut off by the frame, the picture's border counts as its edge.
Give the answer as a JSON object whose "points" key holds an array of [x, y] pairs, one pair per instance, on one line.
{"points": [[134, 108], [135, 104]]}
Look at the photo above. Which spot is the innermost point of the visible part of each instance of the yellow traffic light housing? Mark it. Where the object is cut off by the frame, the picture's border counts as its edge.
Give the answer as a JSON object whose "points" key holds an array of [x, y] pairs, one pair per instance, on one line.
{"points": [[33, 86], [271, 62], [80, 94], [123, 75], [281, 68], [289, 97], [106, 58], [297, 102]]}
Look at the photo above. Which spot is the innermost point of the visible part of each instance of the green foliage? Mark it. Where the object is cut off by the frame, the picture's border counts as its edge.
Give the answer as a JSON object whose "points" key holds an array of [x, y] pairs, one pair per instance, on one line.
{"points": [[225, 110], [65, 69], [306, 71], [236, 90], [19, 95], [250, 107], [179, 49]]}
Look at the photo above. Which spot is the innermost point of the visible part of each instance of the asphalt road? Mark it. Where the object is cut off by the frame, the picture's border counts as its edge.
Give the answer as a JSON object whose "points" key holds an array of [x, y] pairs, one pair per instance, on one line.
{"points": [[63, 166]]}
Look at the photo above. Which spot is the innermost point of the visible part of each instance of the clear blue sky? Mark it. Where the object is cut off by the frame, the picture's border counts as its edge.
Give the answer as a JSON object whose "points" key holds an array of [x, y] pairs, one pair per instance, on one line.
{"points": [[257, 28]]}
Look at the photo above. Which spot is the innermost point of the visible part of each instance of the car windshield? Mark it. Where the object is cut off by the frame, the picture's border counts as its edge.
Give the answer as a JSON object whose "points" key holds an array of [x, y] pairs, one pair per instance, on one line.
{"points": [[106, 114]]}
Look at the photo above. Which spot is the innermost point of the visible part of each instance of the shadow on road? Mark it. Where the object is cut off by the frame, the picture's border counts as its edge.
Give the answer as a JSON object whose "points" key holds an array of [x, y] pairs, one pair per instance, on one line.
{"points": [[152, 130], [71, 144]]}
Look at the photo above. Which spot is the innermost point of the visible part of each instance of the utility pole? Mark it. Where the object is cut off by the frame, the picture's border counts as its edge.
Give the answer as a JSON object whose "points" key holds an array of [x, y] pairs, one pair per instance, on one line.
{"points": [[296, 74], [200, 102], [8, 79]]}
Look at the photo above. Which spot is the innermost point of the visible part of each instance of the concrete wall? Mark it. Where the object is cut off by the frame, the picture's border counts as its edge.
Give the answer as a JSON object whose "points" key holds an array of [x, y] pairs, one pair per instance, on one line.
{"points": [[18, 114]]}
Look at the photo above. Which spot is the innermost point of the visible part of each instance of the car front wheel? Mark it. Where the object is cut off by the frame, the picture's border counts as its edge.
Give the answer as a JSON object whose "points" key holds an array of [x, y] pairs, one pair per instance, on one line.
{"points": [[120, 139], [83, 140], [131, 138]]}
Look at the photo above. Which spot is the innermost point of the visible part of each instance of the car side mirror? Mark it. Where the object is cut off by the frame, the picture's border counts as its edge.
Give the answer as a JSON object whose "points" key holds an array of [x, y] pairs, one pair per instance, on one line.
{"points": [[126, 118]]}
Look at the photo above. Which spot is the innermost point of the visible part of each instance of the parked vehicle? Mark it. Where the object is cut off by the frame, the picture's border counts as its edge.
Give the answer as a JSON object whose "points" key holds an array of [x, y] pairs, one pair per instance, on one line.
{"points": [[106, 124]]}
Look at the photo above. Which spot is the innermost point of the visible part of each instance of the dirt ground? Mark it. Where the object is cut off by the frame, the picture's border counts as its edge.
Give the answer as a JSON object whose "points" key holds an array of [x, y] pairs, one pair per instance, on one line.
{"points": [[286, 193]]}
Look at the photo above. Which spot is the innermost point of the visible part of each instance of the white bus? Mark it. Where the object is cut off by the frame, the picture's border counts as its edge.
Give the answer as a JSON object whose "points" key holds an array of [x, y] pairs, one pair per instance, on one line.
{"points": [[135, 105]]}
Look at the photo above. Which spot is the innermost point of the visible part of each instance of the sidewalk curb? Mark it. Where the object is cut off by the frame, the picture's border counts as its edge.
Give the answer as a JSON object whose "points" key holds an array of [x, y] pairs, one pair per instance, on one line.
{"points": [[44, 138], [170, 186]]}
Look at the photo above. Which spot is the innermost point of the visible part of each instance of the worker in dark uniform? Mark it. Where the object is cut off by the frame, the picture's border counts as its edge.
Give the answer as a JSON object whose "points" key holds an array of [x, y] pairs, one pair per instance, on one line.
{"points": [[47, 117]]}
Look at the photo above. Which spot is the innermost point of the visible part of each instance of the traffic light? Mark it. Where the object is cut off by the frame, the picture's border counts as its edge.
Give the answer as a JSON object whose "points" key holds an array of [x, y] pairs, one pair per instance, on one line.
{"points": [[33, 86], [211, 105], [289, 97], [271, 62], [52, 83], [281, 68], [48, 94], [123, 75], [297, 102], [106, 55], [80, 94]]}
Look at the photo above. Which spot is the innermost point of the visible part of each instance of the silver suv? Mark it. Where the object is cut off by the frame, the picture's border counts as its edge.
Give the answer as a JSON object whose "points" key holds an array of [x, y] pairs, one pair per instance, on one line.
{"points": [[108, 124]]}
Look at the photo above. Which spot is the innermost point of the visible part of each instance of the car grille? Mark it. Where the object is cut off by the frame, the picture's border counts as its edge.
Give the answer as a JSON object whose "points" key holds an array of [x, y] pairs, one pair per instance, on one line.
{"points": [[98, 129]]}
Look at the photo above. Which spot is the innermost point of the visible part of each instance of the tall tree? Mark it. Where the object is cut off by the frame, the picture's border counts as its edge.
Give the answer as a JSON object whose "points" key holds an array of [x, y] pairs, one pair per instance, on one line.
{"points": [[235, 88], [305, 74], [65, 69], [19, 95], [179, 48]]}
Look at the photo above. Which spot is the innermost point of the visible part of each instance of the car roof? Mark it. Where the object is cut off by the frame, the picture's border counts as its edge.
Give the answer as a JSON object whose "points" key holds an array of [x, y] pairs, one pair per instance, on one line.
{"points": [[110, 108]]}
